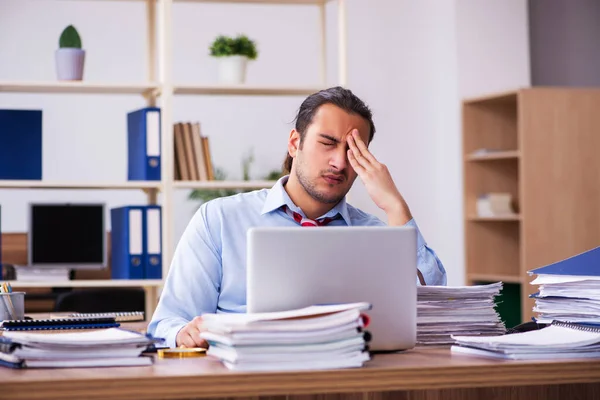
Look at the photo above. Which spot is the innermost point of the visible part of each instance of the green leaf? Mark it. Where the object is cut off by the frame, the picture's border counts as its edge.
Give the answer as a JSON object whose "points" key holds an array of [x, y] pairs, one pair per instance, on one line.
{"points": [[70, 38], [224, 46]]}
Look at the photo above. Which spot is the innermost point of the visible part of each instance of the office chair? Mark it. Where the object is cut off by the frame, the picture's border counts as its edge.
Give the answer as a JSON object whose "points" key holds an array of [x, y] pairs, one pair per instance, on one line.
{"points": [[101, 300]]}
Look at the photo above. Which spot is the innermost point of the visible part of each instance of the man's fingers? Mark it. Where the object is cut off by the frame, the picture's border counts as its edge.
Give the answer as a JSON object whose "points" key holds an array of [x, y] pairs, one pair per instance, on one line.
{"points": [[354, 163], [362, 147], [357, 154]]}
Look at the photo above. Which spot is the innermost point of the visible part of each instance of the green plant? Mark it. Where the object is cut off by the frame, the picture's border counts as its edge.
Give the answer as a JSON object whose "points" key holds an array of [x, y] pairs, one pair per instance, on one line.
{"points": [[70, 38], [241, 45], [220, 175]]}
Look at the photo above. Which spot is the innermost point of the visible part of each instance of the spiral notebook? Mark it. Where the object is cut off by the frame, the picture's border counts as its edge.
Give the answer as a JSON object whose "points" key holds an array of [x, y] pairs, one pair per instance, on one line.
{"points": [[58, 324], [129, 316], [556, 341]]}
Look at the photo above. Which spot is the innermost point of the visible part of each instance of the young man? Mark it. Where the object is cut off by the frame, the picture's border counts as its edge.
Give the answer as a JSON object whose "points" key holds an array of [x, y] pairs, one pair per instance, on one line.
{"points": [[327, 150]]}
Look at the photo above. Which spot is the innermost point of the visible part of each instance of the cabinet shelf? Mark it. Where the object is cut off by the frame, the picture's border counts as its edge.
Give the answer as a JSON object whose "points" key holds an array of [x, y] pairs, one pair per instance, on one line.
{"points": [[89, 283], [475, 218], [496, 155], [77, 87], [483, 277], [25, 184], [245, 90], [223, 184]]}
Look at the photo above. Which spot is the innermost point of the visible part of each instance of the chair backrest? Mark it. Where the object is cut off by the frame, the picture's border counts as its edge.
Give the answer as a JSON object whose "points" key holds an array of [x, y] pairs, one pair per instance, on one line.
{"points": [[101, 300]]}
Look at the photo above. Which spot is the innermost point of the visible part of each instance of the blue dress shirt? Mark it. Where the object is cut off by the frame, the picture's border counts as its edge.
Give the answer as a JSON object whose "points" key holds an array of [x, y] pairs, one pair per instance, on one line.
{"points": [[208, 270]]}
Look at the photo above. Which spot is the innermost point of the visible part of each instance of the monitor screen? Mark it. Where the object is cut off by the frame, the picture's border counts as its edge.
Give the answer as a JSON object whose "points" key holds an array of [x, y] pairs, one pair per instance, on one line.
{"points": [[67, 235]]}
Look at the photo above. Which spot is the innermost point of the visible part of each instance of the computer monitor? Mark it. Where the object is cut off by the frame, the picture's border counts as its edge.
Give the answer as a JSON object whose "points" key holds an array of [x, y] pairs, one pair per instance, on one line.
{"points": [[69, 236]]}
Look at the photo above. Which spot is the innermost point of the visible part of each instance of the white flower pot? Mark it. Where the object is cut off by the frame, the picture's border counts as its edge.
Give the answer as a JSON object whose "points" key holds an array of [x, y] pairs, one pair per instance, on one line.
{"points": [[232, 69], [69, 64]]}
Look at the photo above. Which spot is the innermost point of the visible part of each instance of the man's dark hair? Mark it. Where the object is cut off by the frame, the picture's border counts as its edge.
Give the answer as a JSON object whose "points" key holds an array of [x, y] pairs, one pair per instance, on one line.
{"points": [[338, 96]]}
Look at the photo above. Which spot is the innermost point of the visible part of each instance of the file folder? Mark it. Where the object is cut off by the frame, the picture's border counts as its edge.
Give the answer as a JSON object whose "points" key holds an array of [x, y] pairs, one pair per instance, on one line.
{"points": [[127, 242], [153, 242], [583, 264], [144, 141], [21, 144]]}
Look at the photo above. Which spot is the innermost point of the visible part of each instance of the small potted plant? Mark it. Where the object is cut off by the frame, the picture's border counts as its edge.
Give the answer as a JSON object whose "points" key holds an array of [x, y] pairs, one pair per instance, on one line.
{"points": [[70, 57], [233, 55]]}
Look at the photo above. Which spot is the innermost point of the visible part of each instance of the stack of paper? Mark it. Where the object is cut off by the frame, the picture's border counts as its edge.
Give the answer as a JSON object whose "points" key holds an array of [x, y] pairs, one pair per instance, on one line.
{"points": [[97, 348], [467, 310], [559, 340], [317, 337], [569, 290]]}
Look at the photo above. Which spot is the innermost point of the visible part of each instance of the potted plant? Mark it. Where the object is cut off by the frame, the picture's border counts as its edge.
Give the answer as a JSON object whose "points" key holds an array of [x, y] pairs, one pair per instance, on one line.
{"points": [[70, 57], [233, 55], [209, 194]]}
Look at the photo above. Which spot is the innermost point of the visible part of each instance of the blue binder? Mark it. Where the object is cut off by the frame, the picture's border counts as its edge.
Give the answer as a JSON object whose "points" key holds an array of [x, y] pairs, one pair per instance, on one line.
{"points": [[153, 242], [143, 144], [583, 264], [21, 144], [127, 242]]}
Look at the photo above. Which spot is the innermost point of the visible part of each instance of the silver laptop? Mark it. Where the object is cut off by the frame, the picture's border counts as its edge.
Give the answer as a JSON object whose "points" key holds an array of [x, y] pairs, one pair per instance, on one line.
{"points": [[293, 267]]}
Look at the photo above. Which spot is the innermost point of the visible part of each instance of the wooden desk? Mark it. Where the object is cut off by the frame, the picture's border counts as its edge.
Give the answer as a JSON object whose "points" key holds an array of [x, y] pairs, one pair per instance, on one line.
{"points": [[423, 373]]}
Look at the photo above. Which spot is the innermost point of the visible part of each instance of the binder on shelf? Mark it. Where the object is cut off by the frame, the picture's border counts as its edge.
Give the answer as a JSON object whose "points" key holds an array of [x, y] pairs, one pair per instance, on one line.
{"points": [[127, 242], [152, 242], [21, 144], [143, 141], [582, 264]]}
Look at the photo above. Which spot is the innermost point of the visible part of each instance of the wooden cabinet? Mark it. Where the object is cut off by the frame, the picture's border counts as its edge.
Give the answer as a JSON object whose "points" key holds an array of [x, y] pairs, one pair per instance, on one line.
{"points": [[542, 146]]}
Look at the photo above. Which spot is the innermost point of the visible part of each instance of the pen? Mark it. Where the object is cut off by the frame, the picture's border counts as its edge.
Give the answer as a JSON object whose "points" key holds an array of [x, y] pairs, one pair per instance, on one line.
{"points": [[6, 288]]}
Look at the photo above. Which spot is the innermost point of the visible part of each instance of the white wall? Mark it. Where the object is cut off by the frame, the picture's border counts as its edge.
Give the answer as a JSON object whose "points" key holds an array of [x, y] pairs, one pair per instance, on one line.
{"points": [[403, 62], [493, 46]]}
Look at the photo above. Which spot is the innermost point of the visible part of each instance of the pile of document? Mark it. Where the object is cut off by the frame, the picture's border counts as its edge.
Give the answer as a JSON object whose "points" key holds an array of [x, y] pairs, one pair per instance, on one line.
{"points": [[96, 348], [466, 310], [559, 340], [569, 290], [316, 337]]}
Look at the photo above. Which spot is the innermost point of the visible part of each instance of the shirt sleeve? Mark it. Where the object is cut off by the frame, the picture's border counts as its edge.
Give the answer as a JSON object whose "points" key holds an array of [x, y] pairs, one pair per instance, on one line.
{"points": [[193, 283], [428, 262]]}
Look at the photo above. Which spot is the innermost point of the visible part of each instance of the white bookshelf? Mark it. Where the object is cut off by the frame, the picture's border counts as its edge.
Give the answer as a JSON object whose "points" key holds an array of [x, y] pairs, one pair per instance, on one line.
{"points": [[32, 184], [89, 283], [246, 90], [78, 87], [223, 184], [159, 84]]}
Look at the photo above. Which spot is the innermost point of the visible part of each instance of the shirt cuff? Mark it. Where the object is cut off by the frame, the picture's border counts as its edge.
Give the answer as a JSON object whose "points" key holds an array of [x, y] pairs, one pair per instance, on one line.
{"points": [[420, 239]]}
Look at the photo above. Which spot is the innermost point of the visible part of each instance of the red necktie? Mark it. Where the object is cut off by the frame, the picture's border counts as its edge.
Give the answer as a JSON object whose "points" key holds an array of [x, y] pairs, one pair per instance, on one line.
{"points": [[307, 221]]}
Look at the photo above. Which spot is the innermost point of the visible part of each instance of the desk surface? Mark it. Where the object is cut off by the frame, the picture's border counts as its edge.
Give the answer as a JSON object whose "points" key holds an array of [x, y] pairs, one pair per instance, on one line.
{"points": [[420, 368]]}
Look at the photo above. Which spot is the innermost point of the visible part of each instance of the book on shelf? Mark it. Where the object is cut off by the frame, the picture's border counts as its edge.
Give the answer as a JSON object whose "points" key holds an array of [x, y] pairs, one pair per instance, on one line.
{"points": [[136, 251], [192, 153], [491, 205], [316, 337], [143, 144], [21, 144]]}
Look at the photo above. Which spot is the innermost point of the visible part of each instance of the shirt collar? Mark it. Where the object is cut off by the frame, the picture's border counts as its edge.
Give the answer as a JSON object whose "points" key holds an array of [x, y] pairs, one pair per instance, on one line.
{"points": [[277, 197]]}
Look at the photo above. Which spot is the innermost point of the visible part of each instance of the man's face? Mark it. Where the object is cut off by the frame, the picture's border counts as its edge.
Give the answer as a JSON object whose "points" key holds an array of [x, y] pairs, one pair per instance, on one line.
{"points": [[321, 162]]}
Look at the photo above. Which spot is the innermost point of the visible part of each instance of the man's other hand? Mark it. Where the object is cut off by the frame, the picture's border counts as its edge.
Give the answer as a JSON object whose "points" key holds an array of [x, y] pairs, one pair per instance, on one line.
{"points": [[189, 335]]}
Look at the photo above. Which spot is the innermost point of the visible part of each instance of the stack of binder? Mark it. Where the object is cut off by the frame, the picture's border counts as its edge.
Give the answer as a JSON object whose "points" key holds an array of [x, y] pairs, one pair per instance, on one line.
{"points": [[569, 290], [317, 337], [136, 250], [443, 311], [96, 348]]}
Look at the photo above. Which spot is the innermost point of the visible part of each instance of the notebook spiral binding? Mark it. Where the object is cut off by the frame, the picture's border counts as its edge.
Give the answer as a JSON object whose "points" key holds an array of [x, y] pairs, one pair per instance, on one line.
{"points": [[577, 326]]}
